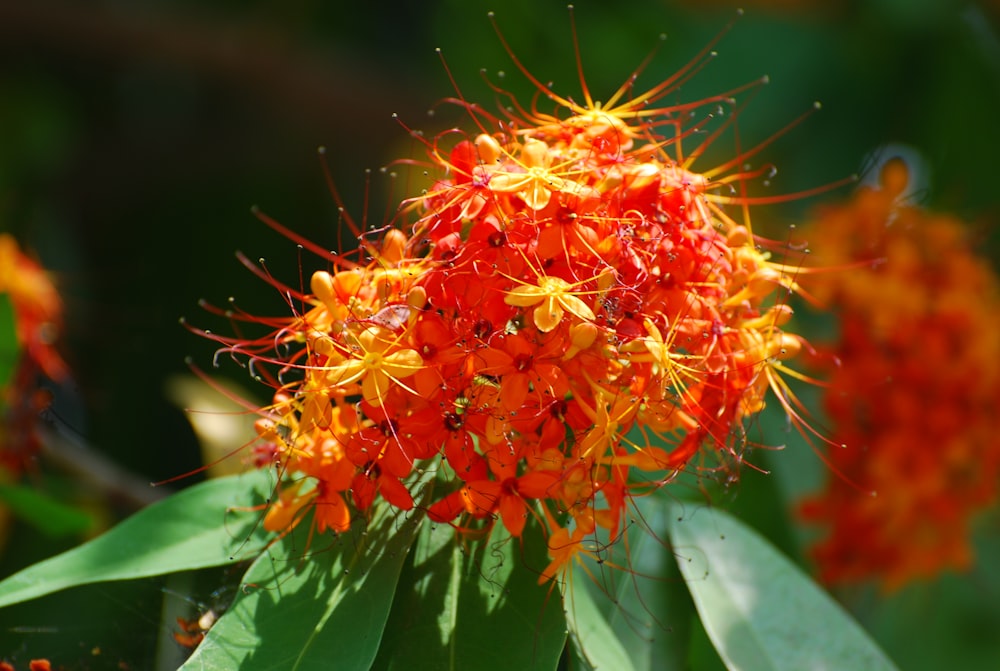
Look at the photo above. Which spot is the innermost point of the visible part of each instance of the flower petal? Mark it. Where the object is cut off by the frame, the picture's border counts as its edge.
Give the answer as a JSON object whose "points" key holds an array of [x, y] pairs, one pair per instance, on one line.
{"points": [[402, 363], [525, 295], [576, 306], [548, 315]]}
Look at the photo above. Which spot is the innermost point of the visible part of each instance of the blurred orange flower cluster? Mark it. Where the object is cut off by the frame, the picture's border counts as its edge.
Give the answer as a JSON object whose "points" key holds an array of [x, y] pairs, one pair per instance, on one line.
{"points": [[563, 320], [37, 306], [33, 665], [37, 313], [914, 398]]}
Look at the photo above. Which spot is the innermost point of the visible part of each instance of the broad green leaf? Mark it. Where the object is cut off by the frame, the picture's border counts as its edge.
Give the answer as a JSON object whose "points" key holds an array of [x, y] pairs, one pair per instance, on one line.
{"points": [[196, 528], [651, 612], [639, 593], [465, 604], [309, 603], [51, 517], [760, 610], [9, 349], [595, 645]]}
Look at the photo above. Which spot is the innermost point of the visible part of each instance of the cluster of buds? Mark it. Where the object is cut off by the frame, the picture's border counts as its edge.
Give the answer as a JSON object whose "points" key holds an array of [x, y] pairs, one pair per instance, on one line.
{"points": [[565, 319], [914, 396]]}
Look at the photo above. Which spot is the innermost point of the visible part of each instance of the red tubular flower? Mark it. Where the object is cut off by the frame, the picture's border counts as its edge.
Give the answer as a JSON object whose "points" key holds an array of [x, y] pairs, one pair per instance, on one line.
{"points": [[914, 396], [566, 279], [525, 367]]}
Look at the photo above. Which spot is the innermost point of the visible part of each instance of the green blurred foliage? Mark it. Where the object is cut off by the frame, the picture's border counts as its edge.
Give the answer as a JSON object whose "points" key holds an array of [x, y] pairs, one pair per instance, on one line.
{"points": [[9, 349], [135, 137]]}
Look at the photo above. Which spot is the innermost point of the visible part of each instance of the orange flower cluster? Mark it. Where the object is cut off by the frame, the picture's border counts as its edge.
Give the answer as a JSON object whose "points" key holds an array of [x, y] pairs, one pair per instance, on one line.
{"points": [[37, 306], [914, 398], [33, 665], [563, 320], [37, 312]]}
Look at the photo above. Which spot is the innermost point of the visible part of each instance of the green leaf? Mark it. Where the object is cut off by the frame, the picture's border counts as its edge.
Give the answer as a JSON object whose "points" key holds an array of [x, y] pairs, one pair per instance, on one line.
{"points": [[309, 603], [595, 643], [9, 348], [474, 605], [760, 610], [189, 530], [51, 517], [638, 592]]}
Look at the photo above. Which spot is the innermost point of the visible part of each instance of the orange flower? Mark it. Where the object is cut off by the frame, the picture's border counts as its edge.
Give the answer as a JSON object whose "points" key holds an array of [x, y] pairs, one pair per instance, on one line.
{"points": [[33, 665], [37, 307], [524, 366], [37, 312], [565, 280], [915, 393]]}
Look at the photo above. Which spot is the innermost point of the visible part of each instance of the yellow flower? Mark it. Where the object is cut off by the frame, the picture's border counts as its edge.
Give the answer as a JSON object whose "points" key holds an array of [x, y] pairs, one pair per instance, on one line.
{"points": [[554, 298], [375, 364]]}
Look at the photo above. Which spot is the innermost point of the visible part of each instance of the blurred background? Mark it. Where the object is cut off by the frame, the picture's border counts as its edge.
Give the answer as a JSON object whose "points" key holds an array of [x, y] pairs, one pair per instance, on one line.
{"points": [[135, 137]]}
